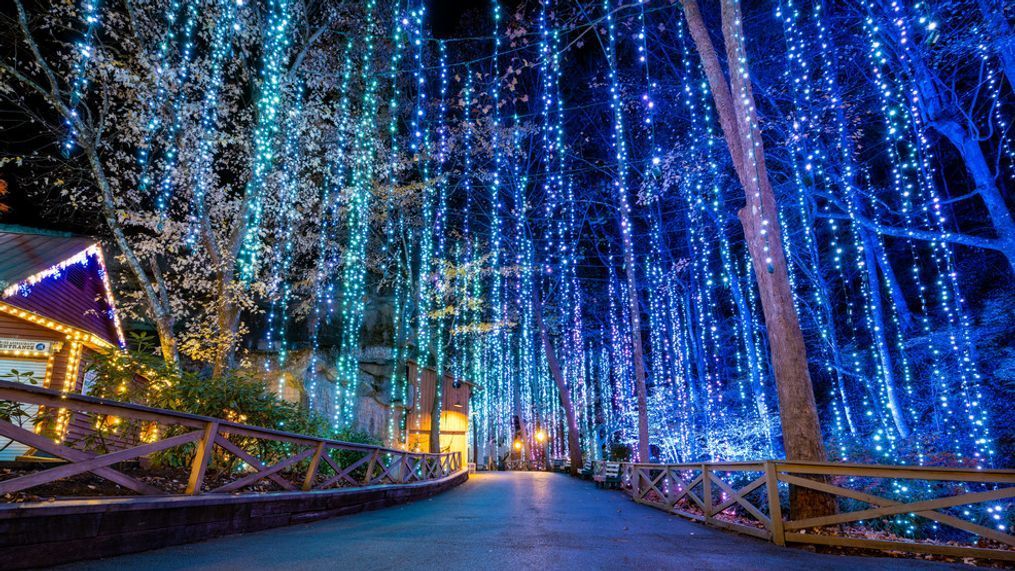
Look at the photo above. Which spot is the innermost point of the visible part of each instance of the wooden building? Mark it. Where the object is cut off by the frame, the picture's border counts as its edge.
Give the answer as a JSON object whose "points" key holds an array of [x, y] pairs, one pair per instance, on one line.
{"points": [[56, 307], [454, 420]]}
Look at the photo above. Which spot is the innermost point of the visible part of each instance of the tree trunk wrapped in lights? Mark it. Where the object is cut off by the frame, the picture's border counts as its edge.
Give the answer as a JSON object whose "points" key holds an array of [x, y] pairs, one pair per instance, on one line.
{"points": [[734, 101], [574, 447]]}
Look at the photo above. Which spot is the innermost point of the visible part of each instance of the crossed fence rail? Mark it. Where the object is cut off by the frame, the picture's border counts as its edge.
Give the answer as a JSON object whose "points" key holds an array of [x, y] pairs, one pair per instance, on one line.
{"points": [[750, 497], [298, 462]]}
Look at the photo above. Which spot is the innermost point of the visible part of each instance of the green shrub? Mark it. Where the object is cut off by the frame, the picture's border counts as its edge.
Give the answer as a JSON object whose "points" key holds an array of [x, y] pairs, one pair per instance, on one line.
{"points": [[138, 376], [344, 458]]}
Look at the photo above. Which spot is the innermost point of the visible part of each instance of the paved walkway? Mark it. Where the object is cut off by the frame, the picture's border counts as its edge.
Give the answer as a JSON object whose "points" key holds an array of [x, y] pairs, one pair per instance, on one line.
{"points": [[516, 521]]}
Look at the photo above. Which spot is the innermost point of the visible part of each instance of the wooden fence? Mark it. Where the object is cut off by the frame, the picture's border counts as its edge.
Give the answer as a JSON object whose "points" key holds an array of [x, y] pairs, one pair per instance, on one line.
{"points": [[298, 462], [757, 503]]}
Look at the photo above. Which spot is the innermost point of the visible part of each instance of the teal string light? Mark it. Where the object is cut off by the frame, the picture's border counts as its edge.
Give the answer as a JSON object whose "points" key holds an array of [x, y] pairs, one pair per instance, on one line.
{"points": [[283, 247], [358, 218], [171, 155], [154, 105], [393, 229], [226, 26], [85, 48], [274, 67], [499, 410], [328, 221], [807, 163], [621, 191]]}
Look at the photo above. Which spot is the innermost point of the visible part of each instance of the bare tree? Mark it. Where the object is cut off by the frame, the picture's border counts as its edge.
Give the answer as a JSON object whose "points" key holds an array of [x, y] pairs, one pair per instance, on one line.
{"points": [[39, 78]]}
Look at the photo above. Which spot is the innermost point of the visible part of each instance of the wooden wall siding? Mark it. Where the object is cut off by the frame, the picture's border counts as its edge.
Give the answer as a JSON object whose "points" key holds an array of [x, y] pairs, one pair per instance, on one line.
{"points": [[21, 329], [422, 397], [76, 298], [454, 420], [11, 326], [78, 426]]}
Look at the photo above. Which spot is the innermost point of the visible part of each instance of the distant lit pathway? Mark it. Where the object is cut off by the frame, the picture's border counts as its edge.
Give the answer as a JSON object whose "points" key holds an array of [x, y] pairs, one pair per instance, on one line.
{"points": [[516, 521]]}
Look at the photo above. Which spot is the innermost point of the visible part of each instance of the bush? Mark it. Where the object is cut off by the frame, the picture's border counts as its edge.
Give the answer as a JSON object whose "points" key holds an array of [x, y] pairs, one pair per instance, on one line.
{"points": [[138, 376], [344, 458]]}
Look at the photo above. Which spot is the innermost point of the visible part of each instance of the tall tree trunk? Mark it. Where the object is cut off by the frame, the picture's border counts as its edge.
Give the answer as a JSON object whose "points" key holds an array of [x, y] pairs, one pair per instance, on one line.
{"points": [[154, 293], [227, 319], [574, 448], [891, 281], [435, 415], [880, 330], [224, 258], [164, 320], [634, 314], [637, 354], [521, 435], [438, 391], [734, 102], [689, 307]]}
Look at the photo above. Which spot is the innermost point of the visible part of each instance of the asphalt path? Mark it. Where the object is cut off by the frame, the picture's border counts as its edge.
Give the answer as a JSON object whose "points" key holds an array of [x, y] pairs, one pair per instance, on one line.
{"points": [[503, 520]]}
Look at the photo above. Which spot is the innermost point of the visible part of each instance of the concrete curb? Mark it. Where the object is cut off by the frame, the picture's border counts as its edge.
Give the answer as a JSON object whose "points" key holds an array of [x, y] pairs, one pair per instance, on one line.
{"points": [[43, 534]]}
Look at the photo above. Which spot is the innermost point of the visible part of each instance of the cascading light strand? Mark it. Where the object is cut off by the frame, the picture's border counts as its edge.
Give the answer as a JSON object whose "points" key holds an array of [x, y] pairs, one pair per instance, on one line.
{"points": [[171, 155], [358, 208], [85, 47], [272, 75], [226, 26]]}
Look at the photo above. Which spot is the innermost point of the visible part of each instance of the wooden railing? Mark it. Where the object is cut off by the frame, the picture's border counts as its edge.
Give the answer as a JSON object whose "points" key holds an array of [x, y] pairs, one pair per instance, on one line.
{"points": [[752, 498], [298, 462]]}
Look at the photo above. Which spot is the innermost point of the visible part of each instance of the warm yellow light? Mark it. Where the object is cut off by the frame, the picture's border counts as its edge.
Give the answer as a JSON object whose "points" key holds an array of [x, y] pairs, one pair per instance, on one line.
{"points": [[541, 436], [518, 444]]}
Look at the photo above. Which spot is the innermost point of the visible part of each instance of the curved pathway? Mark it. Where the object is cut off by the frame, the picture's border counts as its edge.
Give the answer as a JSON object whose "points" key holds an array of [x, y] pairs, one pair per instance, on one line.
{"points": [[516, 521]]}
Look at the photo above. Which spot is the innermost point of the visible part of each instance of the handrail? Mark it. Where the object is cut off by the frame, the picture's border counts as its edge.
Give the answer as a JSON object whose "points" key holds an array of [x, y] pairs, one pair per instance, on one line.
{"points": [[43, 396], [690, 490], [836, 468], [378, 465]]}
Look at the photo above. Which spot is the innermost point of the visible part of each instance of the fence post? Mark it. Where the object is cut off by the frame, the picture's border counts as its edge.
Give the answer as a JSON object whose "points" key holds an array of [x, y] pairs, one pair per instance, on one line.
{"points": [[315, 462], [201, 457], [667, 484], [774, 504], [706, 496], [370, 467]]}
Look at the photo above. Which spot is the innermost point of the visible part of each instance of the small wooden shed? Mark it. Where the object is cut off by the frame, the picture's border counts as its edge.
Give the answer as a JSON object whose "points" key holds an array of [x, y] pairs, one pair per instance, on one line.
{"points": [[56, 307], [454, 419]]}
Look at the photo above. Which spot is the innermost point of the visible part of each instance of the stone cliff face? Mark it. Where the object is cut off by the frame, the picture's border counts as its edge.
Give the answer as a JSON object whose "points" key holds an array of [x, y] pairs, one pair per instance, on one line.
{"points": [[304, 375]]}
